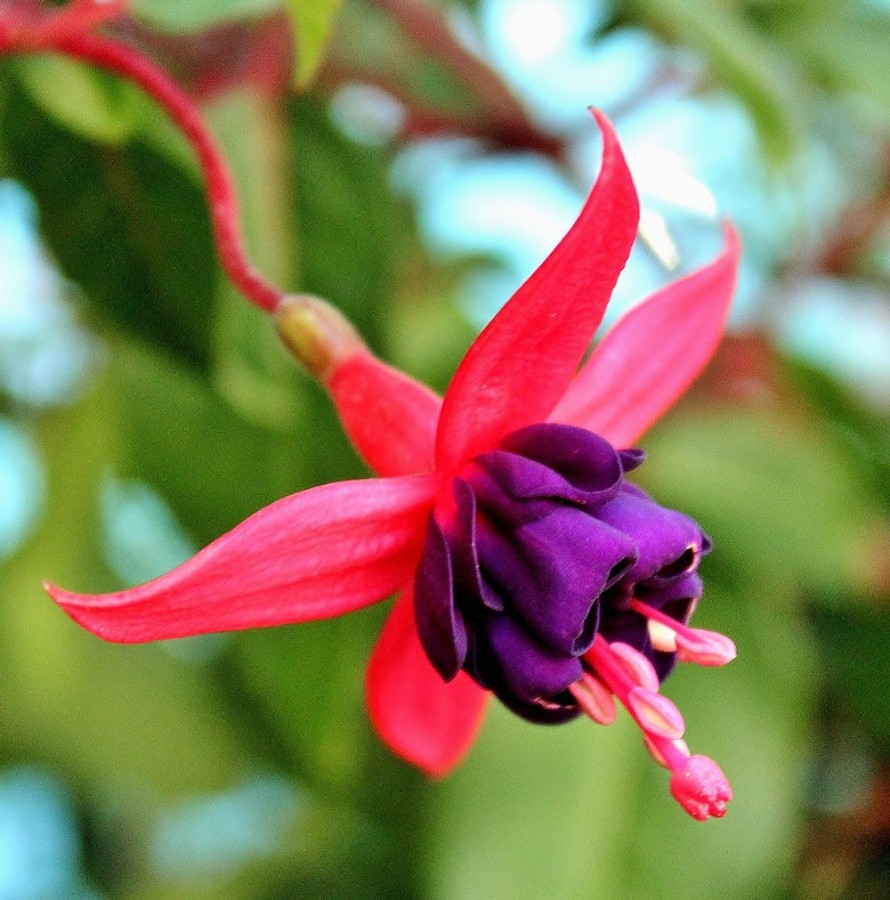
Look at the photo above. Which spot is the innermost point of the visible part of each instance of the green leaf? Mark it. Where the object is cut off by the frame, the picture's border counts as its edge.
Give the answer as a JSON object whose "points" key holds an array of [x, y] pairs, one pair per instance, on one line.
{"points": [[80, 97], [371, 38], [862, 433], [307, 679], [843, 45], [352, 230], [132, 229], [855, 644], [747, 63], [195, 15], [312, 21], [109, 714], [250, 368], [211, 465], [429, 335]]}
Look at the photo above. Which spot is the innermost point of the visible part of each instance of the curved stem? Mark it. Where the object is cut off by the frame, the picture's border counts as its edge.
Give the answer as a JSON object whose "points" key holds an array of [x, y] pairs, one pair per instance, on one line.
{"points": [[182, 109], [316, 334], [508, 121]]}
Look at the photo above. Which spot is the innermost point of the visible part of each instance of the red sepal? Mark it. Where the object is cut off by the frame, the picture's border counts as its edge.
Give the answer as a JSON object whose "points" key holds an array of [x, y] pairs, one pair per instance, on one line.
{"points": [[522, 363], [390, 418], [420, 717], [320, 553], [653, 353]]}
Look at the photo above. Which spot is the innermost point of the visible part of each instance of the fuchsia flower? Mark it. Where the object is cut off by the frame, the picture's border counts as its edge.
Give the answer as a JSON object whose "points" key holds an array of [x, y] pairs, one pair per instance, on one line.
{"points": [[528, 565]]}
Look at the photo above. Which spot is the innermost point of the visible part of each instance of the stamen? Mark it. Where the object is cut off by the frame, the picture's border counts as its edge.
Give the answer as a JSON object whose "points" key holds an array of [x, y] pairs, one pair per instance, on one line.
{"points": [[594, 698], [707, 648], [697, 782], [653, 713], [636, 665]]}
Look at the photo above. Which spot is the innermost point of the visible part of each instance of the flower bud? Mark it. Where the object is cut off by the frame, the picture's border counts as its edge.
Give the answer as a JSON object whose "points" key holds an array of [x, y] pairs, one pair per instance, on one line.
{"points": [[317, 335]]}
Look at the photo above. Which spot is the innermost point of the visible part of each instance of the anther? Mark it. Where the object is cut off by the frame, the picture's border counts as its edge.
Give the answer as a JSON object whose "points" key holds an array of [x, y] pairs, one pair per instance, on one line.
{"points": [[707, 648], [636, 665], [655, 714], [652, 712], [594, 698]]}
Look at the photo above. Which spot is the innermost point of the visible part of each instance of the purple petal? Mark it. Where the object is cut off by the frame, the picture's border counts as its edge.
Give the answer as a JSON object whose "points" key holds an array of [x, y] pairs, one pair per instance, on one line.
{"points": [[529, 669], [485, 667], [439, 624], [471, 589], [497, 478], [589, 466], [669, 544], [552, 570]]}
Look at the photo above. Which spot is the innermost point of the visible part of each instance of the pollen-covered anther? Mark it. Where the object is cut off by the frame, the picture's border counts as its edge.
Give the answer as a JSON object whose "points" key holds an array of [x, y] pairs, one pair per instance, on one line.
{"points": [[596, 701], [696, 645], [656, 715], [636, 665], [701, 788]]}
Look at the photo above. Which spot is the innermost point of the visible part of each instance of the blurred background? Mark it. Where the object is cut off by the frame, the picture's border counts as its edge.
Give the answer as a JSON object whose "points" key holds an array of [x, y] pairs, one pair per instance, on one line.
{"points": [[412, 162]]}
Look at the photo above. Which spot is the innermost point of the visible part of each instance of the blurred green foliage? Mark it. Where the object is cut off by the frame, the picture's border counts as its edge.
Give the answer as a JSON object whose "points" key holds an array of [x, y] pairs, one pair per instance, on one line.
{"points": [[192, 396]]}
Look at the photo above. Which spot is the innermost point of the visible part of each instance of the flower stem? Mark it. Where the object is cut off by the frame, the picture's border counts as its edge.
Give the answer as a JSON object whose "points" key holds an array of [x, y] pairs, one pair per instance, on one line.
{"points": [[182, 109], [315, 333], [506, 119]]}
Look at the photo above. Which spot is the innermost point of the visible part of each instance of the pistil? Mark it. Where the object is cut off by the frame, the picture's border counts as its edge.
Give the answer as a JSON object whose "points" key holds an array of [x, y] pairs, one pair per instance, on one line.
{"points": [[697, 782]]}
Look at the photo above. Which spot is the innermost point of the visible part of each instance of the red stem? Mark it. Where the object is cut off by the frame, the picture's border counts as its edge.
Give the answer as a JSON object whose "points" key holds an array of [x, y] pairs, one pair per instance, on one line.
{"points": [[422, 120], [182, 109], [509, 121], [78, 16]]}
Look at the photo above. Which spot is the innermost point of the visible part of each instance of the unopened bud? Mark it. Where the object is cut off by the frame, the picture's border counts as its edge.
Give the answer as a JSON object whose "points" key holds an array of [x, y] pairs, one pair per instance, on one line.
{"points": [[319, 336]]}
